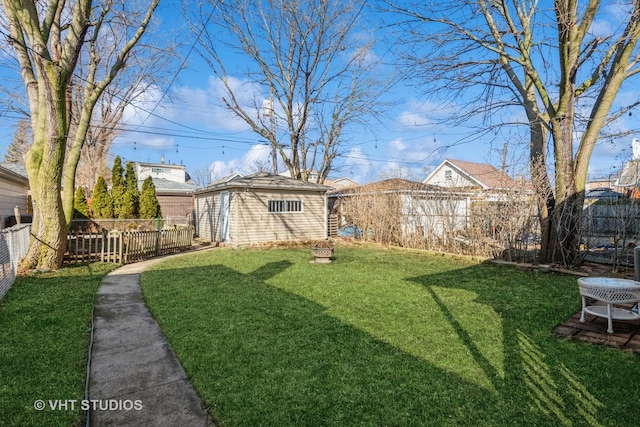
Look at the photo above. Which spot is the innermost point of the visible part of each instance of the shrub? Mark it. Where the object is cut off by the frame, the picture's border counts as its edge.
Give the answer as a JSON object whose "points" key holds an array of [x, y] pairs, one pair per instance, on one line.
{"points": [[117, 186], [101, 202], [149, 206], [80, 207]]}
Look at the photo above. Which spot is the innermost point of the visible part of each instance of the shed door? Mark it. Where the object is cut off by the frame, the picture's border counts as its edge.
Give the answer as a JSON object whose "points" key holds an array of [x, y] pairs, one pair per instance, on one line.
{"points": [[224, 215]]}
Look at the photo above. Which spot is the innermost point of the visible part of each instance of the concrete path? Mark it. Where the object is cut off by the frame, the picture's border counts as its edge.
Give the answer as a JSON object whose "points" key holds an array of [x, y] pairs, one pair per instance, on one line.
{"points": [[135, 377]]}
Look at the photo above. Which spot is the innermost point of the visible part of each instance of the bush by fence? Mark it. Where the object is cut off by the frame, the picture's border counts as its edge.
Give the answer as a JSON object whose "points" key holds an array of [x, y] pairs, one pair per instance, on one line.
{"points": [[14, 244], [417, 216]]}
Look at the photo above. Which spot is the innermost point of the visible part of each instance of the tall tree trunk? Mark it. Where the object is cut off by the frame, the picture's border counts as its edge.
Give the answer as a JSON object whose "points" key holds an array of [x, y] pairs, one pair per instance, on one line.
{"points": [[44, 165]]}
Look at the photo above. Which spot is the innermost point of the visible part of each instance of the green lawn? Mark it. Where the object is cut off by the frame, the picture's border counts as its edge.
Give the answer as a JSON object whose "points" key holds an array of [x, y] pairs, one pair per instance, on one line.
{"points": [[45, 322], [384, 337]]}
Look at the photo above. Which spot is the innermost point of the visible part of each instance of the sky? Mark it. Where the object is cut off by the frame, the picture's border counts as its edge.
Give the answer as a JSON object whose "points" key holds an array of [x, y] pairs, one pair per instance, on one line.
{"points": [[192, 127]]}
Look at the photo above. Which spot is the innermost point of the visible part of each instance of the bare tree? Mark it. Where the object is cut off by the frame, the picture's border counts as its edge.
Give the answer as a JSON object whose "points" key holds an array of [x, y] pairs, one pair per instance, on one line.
{"points": [[205, 176], [20, 143], [551, 63], [315, 66], [48, 40], [148, 69]]}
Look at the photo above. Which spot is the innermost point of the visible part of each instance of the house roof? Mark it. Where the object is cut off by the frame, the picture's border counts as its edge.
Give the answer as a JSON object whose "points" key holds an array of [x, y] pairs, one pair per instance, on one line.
{"points": [[227, 178], [167, 186], [340, 182], [483, 175], [161, 165], [630, 174], [265, 180], [14, 171], [385, 186]]}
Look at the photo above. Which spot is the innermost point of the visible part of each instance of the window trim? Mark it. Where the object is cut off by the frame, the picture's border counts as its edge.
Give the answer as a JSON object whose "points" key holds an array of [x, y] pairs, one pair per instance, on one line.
{"points": [[285, 206]]}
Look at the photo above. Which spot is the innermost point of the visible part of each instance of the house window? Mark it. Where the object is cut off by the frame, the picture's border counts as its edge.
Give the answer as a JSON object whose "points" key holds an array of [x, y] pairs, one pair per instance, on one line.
{"points": [[283, 206], [447, 175], [160, 170]]}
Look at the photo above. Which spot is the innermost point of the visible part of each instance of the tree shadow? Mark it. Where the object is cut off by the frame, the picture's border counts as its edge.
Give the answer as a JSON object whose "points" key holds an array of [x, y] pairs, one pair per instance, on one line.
{"points": [[241, 340], [555, 375]]}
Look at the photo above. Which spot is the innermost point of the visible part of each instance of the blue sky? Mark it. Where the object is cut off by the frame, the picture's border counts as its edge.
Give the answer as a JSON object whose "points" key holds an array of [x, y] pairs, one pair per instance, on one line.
{"points": [[192, 127]]}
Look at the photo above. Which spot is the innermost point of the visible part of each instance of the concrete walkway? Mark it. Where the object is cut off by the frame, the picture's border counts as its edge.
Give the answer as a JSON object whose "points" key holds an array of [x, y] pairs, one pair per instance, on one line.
{"points": [[135, 377]]}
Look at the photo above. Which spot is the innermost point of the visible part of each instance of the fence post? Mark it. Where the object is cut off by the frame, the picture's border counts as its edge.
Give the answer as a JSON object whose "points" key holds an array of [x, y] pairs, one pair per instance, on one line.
{"points": [[123, 257]]}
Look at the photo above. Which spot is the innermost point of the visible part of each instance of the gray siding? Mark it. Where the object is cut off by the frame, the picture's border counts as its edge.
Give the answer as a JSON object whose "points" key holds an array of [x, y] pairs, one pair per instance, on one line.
{"points": [[250, 222], [207, 212], [255, 224]]}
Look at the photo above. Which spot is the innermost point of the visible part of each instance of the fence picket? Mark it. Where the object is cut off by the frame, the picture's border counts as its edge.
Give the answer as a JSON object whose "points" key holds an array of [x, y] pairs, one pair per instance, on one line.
{"points": [[126, 247]]}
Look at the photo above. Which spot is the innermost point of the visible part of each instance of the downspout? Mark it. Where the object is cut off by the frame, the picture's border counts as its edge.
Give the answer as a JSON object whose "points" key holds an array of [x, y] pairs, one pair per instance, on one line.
{"points": [[326, 216], [236, 214]]}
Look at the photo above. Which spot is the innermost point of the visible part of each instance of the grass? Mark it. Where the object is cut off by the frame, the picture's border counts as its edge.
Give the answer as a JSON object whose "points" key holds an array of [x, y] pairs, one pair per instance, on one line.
{"points": [[384, 337], [45, 324]]}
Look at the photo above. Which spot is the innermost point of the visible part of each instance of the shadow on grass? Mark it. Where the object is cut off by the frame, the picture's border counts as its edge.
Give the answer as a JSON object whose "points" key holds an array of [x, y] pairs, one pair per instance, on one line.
{"points": [[263, 356], [260, 355], [555, 381], [45, 324]]}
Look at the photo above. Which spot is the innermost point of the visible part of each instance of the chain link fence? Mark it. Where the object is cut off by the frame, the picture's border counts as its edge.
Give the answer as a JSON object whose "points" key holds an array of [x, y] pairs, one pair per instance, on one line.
{"points": [[14, 243]]}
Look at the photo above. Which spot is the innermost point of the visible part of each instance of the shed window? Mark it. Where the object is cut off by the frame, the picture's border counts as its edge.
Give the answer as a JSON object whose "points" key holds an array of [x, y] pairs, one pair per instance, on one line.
{"points": [[282, 206]]}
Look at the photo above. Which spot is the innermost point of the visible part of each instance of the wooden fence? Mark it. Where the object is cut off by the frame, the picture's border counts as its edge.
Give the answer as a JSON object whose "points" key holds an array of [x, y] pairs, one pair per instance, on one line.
{"points": [[127, 246], [612, 218]]}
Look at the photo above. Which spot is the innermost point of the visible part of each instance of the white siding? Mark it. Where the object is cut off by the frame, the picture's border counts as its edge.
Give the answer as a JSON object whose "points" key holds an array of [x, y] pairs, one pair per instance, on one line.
{"points": [[440, 178], [169, 172], [437, 216], [12, 194]]}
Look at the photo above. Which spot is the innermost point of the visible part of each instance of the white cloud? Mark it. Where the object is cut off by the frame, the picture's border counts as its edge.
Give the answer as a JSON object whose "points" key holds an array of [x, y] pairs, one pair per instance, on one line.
{"points": [[204, 108], [258, 155], [409, 119], [424, 114]]}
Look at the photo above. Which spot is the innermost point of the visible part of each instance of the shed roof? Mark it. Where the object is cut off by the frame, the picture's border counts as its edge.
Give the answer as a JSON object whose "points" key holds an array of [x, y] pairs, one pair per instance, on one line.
{"points": [[14, 171], [265, 181]]}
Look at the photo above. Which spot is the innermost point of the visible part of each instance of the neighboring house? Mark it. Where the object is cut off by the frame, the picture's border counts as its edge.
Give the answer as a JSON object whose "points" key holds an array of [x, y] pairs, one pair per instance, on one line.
{"points": [[14, 191], [402, 210], [630, 175], [229, 177], [603, 183], [174, 187], [329, 182], [259, 208], [341, 182], [487, 180], [629, 178]]}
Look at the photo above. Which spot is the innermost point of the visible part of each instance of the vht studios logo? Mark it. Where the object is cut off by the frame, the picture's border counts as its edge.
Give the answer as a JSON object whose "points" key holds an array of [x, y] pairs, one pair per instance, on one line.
{"points": [[85, 405]]}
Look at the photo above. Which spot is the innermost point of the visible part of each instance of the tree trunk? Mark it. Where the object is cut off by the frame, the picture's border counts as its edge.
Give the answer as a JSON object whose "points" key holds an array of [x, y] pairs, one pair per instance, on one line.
{"points": [[44, 165], [567, 222], [49, 228]]}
